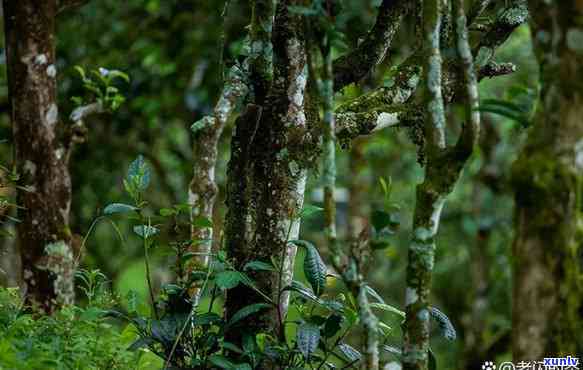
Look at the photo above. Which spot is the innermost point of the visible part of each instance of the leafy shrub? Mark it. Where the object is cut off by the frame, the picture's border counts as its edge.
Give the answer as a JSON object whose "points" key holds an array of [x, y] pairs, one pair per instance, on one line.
{"points": [[73, 338]]}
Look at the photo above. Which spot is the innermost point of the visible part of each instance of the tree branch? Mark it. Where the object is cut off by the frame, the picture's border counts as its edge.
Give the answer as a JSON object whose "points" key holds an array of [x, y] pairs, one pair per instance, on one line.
{"points": [[478, 7], [509, 19], [65, 5], [471, 129], [352, 67], [406, 78], [429, 199]]}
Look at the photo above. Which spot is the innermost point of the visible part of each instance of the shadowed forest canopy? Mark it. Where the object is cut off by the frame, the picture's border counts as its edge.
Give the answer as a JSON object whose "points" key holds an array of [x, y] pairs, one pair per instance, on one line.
{"points": [[291, 184]]}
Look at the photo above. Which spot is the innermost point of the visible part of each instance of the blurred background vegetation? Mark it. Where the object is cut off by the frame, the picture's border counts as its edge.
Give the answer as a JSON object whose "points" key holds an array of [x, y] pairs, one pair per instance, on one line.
{"points": [[172, 50]]}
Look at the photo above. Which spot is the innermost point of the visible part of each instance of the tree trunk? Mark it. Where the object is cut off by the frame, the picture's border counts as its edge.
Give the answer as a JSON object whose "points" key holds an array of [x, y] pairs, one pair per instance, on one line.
{"points": [[267, 176], [43, 232], [548, 178]]}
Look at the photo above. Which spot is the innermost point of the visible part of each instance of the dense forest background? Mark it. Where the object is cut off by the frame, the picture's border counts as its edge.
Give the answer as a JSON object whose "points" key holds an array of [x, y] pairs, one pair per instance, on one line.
{"points": [[170, 62]]}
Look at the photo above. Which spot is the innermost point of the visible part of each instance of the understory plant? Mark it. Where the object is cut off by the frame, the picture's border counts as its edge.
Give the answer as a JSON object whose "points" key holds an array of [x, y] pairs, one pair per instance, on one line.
{"points": [[189, 333], [75, 337]]}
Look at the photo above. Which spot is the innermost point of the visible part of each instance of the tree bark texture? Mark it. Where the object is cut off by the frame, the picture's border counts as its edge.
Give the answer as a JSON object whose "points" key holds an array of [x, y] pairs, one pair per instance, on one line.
{"points": [[270, 175], [43, 232], [547, 179]]}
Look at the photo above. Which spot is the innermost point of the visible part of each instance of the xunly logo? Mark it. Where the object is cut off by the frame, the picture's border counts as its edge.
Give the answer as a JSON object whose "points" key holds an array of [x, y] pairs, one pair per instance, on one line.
{"points": [[561, 361]]}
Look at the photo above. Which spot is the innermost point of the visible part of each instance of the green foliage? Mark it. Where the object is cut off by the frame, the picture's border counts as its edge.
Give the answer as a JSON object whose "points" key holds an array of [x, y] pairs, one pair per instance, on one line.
{"points": [[100, 86], [185, 335], [314, 267], [73, 338], [308, 336]]}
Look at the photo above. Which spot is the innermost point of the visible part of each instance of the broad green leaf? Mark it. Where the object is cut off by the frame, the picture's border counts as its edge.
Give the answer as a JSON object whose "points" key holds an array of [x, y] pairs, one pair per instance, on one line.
{"points": [[81, 72], [349, 352], [393, 350], [207, 318], [139, 173], [200, 221], [309, 210], [232, 347], [386, 329], [221, 362], [307, 337], [165, 212], [115, 73], [258, 266], [243, 366], [380, 219], [303, 290], [228, 279], [332, 325], [315, 269], [373, 293], [302, 10], [388, 308], [143, 342], [118, 208], [132, 300], [246, 311], [146, 231], [445, 326]]}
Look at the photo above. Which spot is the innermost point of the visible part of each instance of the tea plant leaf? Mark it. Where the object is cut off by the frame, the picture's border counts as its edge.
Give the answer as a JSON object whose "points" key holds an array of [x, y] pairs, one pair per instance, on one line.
{"points": [[445, 326], [332, 325], [308, 336], [139, 173], [228, 279], [258, 266], [221, 362], [393, 350], [314, 267], [118, 208], [146, 231], [246, 311], [349, 352], [310, 210], [388, 308]]}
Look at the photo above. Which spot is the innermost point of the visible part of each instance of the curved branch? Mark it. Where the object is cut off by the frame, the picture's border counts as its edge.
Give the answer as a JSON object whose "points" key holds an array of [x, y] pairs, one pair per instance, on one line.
{"points": [[471, 129], [65, 5], [352, 67], [509, 19], [478, 7]]}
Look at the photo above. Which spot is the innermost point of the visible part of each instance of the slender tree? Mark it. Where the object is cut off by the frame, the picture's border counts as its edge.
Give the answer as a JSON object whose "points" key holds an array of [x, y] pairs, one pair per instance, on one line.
{"points": [[42, 147], [548, 178]]}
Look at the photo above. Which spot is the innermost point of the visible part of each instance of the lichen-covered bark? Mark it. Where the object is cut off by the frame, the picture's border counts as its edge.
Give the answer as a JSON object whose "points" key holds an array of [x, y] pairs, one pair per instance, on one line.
{"points": [[277, 169], [547, 178], [443, 168], [43, 232], [203, 189], [514, 15], [329, 143], [238, 220], [354, 66], [361, 115]]}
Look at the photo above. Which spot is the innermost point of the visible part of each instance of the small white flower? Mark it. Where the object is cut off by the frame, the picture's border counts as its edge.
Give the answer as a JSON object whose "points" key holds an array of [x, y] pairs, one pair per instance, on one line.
{"points": [[103, 71]]}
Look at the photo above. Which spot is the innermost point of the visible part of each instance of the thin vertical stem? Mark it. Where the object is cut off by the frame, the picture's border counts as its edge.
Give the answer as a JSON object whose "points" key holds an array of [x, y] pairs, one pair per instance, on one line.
{"points": [[430, 198], [329, 155], [472, 126]]}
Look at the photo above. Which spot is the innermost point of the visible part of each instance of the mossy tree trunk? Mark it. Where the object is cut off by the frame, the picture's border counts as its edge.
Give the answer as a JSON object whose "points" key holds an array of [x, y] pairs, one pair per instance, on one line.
{"points": [[547, 178], [268, 170], [44, 191]]}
